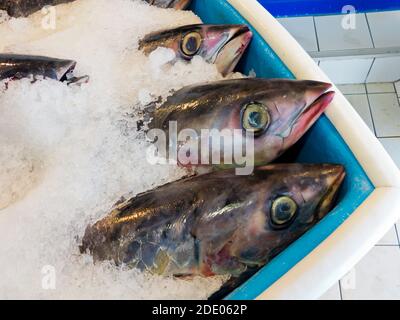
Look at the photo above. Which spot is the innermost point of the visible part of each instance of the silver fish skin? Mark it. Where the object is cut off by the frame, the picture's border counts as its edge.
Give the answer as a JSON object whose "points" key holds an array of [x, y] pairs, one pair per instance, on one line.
{"points": [[24, 8], [222, 45], [216, 224], [277, 112], [15, 66], [176, 4]]}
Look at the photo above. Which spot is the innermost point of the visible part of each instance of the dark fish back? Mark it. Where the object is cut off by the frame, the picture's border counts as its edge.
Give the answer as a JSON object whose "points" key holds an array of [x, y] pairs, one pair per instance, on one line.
{"points": [[23, 8]]}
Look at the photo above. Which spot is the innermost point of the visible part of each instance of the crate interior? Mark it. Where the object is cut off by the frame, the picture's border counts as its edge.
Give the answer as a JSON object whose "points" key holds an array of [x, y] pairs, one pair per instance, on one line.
{"points": [[322, 144]]}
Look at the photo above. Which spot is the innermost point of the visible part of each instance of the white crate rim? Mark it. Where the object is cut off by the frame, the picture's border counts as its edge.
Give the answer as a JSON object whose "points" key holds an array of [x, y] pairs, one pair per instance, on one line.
{"points": [[335, 256]]}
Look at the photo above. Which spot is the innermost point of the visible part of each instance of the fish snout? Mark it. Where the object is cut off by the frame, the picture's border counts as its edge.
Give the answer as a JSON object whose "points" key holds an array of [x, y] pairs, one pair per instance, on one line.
{"points": [[314, 90], [176, 4], [232, 49], [182, 4], [333, 177], [316, 98], [64, 68]]}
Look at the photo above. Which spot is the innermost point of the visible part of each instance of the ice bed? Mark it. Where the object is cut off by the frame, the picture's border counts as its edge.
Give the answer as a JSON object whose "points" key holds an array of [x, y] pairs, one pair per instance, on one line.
{"points": [[369, 203]]}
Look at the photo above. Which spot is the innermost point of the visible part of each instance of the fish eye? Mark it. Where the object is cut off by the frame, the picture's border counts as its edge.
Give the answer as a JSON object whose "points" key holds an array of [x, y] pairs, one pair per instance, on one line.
{"points": [[283, 210], [255, 118], [191, 43]]}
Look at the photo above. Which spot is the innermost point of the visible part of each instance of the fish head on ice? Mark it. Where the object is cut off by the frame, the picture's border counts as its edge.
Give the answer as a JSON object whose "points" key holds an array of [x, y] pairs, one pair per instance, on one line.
{"points": [[176, 4], [15, 66], [216, 224], [272, 114], [222, 45], [290, 200]]}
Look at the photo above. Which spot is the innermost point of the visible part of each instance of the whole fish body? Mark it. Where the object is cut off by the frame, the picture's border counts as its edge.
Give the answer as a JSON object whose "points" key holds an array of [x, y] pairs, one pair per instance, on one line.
{"points": [[23, 8], [15, 66], [223, 45], [204, 226], [276, 112]]}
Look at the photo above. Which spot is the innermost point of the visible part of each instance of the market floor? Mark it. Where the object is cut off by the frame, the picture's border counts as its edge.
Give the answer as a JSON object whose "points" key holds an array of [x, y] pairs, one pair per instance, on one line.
{"points": [[377, 275]]}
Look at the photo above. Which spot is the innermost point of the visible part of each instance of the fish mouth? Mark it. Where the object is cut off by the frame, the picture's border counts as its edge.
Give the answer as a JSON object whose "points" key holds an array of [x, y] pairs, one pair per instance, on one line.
{"points": [[228, 56], [182, 5], [64, 73], [176, 4], [320, 99], [314, 110], [334, 180]]}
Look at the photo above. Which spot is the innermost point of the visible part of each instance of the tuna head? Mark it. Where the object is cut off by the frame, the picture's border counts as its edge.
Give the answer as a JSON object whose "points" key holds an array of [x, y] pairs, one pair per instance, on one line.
{"points": [[290, 200], [177, 4], [206, 226], [223, 45], [275, 112]]}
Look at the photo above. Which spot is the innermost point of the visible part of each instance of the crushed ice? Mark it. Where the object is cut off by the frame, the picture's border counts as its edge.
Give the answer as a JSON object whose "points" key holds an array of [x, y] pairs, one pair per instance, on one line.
{"points": [[68, 153]]}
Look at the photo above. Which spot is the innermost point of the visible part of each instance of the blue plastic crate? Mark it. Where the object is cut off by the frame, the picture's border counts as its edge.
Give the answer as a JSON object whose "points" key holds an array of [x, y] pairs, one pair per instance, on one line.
{"points": [[322, 144]]}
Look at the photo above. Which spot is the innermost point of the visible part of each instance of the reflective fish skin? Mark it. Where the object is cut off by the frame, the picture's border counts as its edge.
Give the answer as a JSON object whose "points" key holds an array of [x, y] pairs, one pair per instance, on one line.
{"points": [[281, 112], [23, 8], [176, 4], [202, 226], [13, 66], [222, 45]]}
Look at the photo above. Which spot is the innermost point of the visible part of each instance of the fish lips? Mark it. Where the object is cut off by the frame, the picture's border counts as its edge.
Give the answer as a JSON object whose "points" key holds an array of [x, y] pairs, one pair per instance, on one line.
{"points": [[182, 4], [334, 180], [311, 112], [228, 52], [65, 68], [176, 4]]}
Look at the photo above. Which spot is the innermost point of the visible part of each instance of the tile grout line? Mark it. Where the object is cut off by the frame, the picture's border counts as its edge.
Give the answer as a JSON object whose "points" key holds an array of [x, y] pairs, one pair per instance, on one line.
{"points": [[388, 137], [381, 92], [370, 113], [395, 89], [340, 291], [369, 29], [386, 245], [397, 234], [360, 94], [371, 93], [369, 71], [316, 35]]}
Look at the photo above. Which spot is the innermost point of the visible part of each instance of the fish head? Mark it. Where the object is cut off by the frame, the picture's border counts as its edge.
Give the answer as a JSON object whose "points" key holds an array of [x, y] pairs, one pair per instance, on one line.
{"points": [[278, 113], [294, 198], [222, 45], [64, 69], [272, 114], [282, 113], [176, 4]]}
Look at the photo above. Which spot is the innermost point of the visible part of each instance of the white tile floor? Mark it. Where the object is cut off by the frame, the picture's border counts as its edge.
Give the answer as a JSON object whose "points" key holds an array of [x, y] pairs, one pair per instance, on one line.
{"points": [[303, 30], [385, 114], [385, 69], [361, 104], [338, 70], [377, 276], [382, 25], [327, 34], [332, 35]]}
